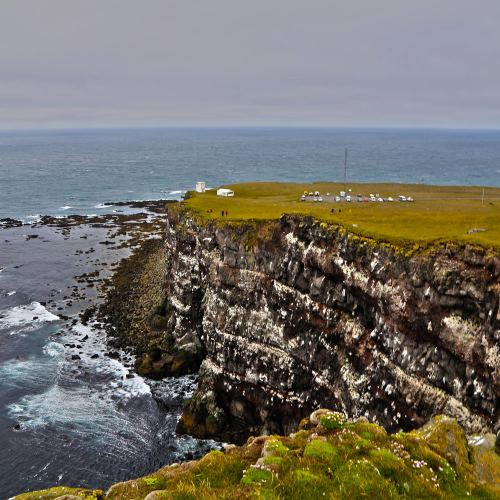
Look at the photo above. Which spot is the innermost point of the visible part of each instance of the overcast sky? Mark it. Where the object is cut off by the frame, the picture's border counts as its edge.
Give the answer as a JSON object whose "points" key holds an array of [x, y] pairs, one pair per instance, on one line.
{"points": [[72, 63]]}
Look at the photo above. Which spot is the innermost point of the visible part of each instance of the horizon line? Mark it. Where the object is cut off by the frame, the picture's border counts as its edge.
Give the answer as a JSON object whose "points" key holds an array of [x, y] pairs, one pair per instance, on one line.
{"points": [[248, 126]]}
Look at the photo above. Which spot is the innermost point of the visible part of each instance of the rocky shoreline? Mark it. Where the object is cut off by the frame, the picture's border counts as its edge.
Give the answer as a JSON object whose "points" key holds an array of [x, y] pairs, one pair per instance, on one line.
{"points": [[282, 317], [59, 367]]}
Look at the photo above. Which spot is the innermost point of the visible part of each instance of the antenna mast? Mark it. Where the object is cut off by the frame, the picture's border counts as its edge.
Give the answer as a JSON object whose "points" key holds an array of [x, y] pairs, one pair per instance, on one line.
{"points": [[345, 169]]}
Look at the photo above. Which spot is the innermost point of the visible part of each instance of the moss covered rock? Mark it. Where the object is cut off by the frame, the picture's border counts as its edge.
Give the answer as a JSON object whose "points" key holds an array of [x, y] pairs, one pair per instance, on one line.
{"points": [[62, 493], [354, 460]]}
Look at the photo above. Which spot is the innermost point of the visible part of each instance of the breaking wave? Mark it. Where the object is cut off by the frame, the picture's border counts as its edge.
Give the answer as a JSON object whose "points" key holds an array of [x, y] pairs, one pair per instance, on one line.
{"points": [[25, 317]]}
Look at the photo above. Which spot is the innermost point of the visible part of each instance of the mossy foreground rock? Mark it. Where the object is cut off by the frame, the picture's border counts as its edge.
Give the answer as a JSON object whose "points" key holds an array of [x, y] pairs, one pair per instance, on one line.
{"points": [[329, 457]]}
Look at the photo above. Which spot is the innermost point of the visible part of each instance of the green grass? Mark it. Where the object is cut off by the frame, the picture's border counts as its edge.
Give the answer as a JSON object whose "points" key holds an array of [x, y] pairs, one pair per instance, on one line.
{"points": [[439, 213], [360, 460]]}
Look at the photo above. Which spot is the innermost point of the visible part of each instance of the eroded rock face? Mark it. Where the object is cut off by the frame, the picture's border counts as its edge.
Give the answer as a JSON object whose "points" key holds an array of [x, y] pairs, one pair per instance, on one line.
{"points": [[293, 315]]}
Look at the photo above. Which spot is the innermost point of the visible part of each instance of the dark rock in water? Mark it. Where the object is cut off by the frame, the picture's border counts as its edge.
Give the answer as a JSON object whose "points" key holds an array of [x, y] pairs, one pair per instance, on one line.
{"points": [[83, 339], [71, 346], [8, 223], [34, 318], [31, 236], [94, 356], [112, 354], [158, 364], [17, 427], [129, 375], [87, 315], [75, 357]]}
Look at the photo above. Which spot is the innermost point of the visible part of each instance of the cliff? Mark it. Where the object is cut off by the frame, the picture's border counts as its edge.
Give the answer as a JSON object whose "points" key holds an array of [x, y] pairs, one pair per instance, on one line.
{"points": [[292, 315]]}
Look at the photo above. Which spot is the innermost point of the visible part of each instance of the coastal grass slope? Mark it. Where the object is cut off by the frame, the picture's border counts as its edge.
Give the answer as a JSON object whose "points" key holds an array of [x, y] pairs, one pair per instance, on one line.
{"points": [[439, 213], [328, 457]]}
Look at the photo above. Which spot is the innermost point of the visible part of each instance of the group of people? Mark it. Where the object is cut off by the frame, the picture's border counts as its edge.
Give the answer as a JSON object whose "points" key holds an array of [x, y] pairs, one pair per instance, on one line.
{"points": [[223, 213]]}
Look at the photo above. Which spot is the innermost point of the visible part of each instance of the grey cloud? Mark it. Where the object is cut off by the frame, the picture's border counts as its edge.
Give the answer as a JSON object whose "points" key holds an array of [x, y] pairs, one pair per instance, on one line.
{"points": [[316, 62]]}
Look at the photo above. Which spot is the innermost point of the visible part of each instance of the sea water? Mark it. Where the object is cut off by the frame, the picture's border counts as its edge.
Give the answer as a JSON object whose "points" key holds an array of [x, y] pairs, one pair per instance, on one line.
{"points": [[84, 422], [69, 414], [61, 172]]}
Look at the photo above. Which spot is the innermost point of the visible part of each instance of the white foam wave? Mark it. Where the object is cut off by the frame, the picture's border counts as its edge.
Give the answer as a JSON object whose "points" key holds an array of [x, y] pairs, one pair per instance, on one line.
{"points": [[65, 207], [120, 384], [32, 219], [179, 191], [11, 293], [103, 205], [95, 404], [54, 350], [26, 316]]}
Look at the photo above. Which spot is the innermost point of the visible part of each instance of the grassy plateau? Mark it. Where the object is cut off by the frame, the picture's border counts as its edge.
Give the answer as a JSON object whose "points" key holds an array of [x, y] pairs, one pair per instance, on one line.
{"points": [[439, 213]]}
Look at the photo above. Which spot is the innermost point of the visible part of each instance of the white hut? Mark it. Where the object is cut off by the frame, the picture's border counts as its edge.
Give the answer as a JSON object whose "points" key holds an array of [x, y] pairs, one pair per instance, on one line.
{"points": [[200, 187], [225, 192]]}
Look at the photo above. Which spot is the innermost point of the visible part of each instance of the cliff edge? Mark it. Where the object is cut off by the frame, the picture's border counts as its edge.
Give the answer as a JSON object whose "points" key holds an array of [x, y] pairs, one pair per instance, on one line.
{"points": [[294, 314]]}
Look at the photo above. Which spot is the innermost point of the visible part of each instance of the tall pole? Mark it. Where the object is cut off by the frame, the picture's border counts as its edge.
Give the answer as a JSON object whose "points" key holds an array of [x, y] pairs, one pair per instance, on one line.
{"points": [[482, 201], [345, 169]]}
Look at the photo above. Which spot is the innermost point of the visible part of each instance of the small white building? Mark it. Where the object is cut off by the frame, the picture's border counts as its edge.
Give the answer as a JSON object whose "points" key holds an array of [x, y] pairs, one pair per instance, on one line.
{"points": [[200, 187], [225, 192]]}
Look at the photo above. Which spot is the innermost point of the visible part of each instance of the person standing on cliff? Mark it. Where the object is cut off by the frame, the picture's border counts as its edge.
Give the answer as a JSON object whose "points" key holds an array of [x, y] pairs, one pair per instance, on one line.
{"points": [[222, 213]]}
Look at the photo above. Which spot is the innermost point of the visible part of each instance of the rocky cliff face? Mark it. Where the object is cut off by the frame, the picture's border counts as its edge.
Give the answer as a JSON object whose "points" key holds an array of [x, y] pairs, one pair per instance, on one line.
{"points": [[293, 315]]}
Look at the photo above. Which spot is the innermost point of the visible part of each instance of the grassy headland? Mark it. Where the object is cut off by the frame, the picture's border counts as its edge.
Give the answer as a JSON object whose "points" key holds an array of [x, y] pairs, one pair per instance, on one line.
{"points": [[439, 213]]}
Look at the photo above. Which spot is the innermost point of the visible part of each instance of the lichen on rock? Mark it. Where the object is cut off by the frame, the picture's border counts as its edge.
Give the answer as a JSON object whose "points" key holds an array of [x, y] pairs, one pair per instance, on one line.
{"points": [[358, 460]]}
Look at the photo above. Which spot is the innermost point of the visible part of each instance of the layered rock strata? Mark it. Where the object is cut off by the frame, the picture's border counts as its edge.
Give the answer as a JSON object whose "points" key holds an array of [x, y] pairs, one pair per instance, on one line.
{"points": [[295, 314]]}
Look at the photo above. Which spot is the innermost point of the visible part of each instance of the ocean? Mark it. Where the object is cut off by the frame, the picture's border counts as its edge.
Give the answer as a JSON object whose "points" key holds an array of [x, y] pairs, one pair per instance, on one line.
{"points": [[88, 421], [61, 172]]}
